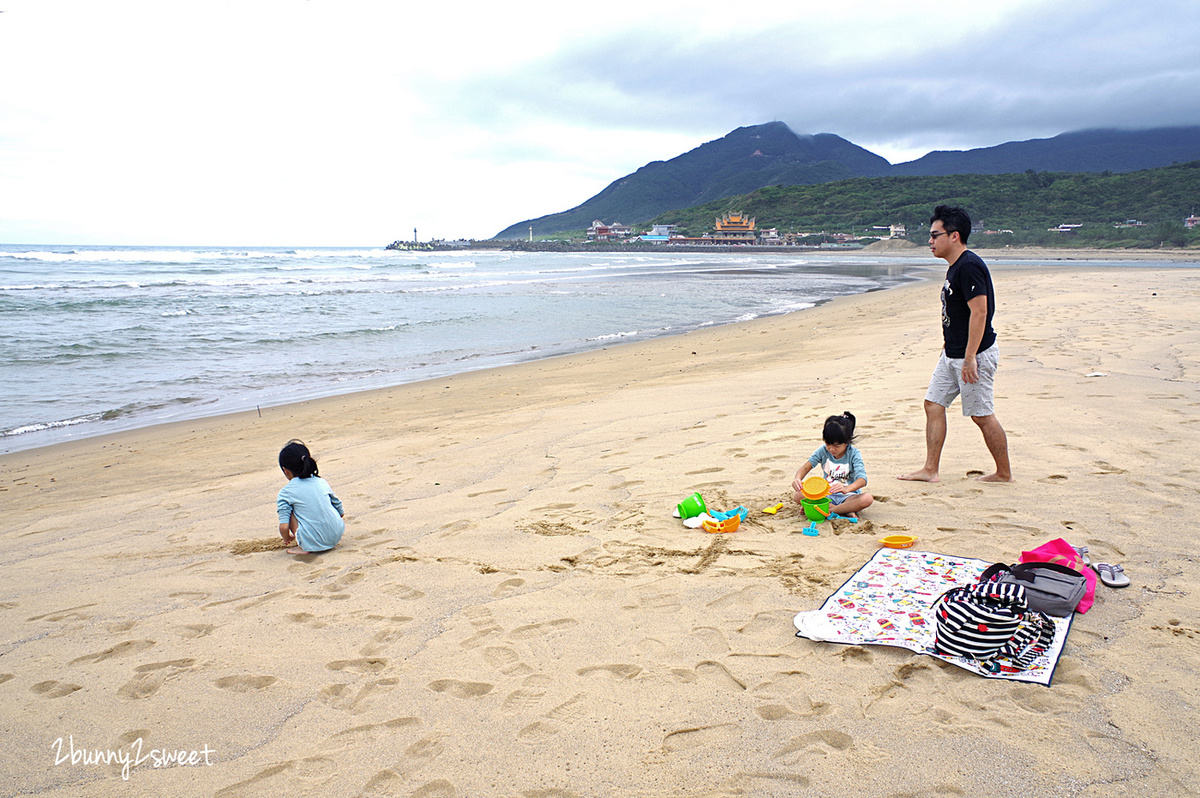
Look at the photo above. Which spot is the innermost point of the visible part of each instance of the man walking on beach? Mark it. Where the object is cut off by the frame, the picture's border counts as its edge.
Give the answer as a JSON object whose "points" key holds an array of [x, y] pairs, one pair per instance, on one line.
{"points": [[968, 362]]}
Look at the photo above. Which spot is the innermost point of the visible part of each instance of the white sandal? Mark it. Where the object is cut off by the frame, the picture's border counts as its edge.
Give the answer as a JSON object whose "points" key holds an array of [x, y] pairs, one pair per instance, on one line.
{"points": [[1111, 575]]}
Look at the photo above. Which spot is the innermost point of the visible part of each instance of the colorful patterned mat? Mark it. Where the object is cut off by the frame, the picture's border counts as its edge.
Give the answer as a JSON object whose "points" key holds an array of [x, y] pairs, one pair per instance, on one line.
{"points": [[887, 603]]}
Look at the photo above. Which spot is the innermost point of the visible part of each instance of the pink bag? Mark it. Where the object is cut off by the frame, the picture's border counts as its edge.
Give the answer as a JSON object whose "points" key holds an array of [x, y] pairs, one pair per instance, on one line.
{"points": [[1061, 552]]}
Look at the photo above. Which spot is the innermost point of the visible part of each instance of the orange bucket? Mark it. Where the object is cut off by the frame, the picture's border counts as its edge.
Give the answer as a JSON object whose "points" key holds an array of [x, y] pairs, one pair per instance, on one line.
{"points": [[814, 488]]}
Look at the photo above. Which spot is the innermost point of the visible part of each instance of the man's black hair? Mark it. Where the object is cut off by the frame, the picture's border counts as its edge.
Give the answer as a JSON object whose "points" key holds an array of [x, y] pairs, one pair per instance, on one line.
{"points": [[954, 220]]}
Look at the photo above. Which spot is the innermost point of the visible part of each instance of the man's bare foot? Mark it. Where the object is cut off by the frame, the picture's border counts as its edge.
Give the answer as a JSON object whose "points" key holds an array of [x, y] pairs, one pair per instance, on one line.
{"points": [[296, 550], [996, 478], [921, 476]]}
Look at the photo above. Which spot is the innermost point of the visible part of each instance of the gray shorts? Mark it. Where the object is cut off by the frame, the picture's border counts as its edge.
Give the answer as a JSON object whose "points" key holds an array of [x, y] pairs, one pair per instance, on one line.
{"points": [[947, 383]]}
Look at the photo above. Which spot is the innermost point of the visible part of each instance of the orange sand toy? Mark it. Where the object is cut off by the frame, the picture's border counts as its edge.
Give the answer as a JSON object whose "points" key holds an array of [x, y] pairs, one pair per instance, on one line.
{"points": [[730, 524], [898, 541], [814, 488]]}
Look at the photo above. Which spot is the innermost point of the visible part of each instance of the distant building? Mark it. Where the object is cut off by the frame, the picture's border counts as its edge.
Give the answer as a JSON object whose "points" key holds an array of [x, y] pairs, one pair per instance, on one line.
{"points": [[599, 231], [734, 228], [770, 237], [659, 234], [1064, 228], [1192, 221]]}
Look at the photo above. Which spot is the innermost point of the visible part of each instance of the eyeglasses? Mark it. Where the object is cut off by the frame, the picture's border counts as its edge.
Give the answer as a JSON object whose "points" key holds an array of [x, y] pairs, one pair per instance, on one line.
{"points": [[934, 235]]}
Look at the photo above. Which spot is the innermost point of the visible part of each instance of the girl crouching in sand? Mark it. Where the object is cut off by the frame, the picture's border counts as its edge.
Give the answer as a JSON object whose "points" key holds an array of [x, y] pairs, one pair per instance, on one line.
{"points": [[309, 514], [843, 467]]}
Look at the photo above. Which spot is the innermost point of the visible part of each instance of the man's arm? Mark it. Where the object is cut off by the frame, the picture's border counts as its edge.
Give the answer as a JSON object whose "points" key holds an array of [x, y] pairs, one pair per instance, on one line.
{"points": [[975, 328]]}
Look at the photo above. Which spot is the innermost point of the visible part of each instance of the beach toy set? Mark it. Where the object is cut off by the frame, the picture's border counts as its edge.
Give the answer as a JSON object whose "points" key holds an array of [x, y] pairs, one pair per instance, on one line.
{"points": [[814, 493], [695, 513]]}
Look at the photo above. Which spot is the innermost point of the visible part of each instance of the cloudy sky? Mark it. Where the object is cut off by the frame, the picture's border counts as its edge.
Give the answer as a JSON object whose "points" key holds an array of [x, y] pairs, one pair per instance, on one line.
{"points": [[352, 122]]}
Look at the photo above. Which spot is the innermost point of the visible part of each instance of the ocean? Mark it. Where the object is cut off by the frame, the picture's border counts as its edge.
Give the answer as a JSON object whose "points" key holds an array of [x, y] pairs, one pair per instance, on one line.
{"points": [[101, 339]]}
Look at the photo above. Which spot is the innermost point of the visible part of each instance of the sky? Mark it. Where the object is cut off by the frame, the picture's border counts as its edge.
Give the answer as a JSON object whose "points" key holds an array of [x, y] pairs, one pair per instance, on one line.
{"points": [[356, 122]]}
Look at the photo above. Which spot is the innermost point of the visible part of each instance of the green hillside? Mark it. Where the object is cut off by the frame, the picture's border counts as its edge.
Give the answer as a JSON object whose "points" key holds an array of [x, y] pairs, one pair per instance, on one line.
{"points": [[742, 161], [1026, 204]]}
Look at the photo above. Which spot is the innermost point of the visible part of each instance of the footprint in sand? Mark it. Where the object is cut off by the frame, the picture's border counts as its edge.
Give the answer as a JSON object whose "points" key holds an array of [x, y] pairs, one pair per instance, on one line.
{"points": [[244, 684], [821, 743], [69, 614], [620, 671], [541, 629], [370, 733], [438, 788], [428, 748], [386, 783], [153, 676], [54, 689], [717, 675], [342, 696], [539, 731], [195, 630], [119, 650], [566, 713], [701, 736], [460, 689], [361, 665], [776, 712], [508, 587], [524, 698], [506, 660]]}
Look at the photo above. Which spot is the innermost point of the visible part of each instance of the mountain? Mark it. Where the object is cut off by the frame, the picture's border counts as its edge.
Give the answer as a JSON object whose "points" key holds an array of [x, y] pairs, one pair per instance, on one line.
{"points": [[772, 155], [1081, 151], [746, 159]]}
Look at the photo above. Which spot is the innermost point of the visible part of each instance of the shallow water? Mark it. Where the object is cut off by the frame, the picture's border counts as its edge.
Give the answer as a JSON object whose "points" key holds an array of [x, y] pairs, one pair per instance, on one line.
{"points": [[100, 339]]}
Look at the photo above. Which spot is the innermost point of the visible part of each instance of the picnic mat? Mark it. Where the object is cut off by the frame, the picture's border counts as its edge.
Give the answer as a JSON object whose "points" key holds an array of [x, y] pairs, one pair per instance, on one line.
{"points": [[887, 603]]}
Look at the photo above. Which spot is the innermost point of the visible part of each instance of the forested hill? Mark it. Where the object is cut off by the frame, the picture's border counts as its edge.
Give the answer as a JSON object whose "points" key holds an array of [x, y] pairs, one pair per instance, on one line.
{"points": [[773, 155], [1027, 203], [742, 161]]}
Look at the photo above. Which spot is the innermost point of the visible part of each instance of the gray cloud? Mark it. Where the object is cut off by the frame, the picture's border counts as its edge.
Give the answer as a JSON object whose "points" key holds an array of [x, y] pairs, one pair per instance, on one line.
{"points": [[1053, 68]]}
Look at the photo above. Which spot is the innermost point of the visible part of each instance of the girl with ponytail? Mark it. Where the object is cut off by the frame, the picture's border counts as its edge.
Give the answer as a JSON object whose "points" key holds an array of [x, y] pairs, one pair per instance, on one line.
{"points": [[310, 515], [842, 465]]}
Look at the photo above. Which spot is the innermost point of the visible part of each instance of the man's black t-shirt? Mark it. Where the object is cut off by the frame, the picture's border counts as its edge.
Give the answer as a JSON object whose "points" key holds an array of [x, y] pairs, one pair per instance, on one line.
{"points": [[967, 278]]}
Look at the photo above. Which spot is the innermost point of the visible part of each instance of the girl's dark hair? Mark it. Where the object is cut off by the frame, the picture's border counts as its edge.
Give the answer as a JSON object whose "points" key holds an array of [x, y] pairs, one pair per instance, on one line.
{"points": [[295, 458], [839, 429]]}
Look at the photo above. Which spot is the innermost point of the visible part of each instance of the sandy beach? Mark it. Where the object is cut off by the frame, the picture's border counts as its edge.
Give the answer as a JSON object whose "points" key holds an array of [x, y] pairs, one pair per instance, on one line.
{"points": [[515, 612]]}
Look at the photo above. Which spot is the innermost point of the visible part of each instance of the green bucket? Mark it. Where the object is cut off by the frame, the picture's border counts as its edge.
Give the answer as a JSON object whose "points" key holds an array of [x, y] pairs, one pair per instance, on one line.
{"points": [[810, 508]]}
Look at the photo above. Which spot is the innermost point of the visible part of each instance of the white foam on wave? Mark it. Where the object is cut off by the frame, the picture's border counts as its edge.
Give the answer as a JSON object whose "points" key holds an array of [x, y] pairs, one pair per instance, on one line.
{"points": [[184, 256], [47, 425]]}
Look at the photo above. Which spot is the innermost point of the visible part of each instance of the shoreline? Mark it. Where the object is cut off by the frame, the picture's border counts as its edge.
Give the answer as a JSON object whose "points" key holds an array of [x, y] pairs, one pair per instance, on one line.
{"points": [[1005, 258], [73, 430], [514, 609]]}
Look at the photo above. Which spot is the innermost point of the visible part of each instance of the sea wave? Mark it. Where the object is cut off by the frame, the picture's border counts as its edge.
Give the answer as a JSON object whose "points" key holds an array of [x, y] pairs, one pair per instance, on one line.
{"points": [[184, 256]]}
